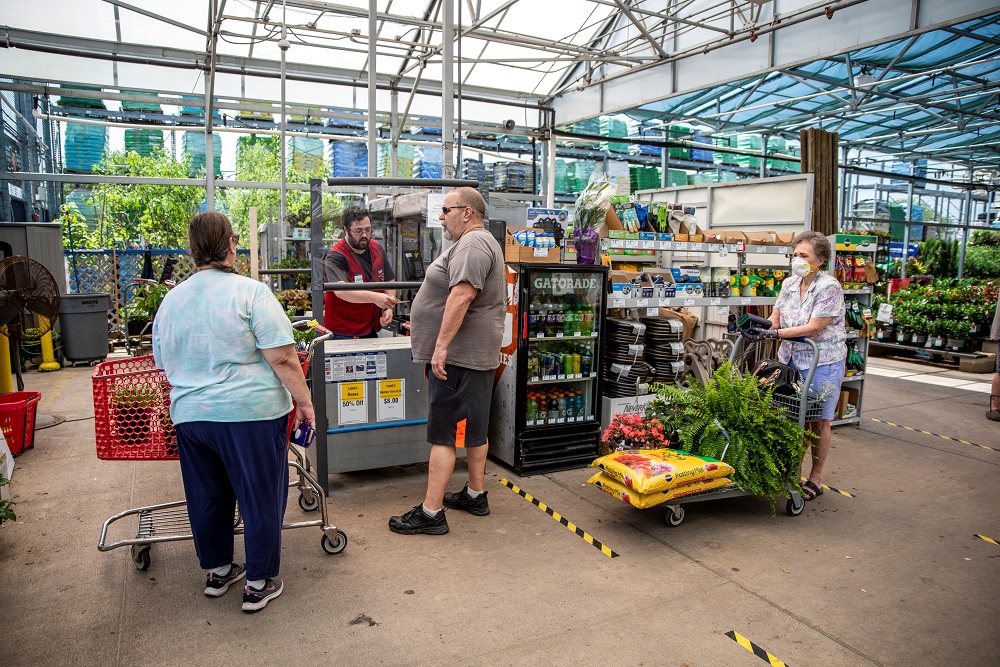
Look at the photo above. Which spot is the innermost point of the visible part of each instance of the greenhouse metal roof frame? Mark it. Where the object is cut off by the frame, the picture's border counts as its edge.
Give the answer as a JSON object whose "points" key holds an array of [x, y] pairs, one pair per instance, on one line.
{"points": [[933, 95]]}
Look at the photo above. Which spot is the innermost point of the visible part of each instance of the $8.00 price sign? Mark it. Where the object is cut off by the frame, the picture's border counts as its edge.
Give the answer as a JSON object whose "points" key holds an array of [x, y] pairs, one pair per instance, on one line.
{"points": [[391, 400]]}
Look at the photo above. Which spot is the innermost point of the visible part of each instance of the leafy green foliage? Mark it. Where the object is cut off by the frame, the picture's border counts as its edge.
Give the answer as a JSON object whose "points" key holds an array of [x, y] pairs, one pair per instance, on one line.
{"points": [[157, 214], [985, 237], [982, 261], [765, 447], [76, 233], [261, 162], [6, 513], [950, 307]]}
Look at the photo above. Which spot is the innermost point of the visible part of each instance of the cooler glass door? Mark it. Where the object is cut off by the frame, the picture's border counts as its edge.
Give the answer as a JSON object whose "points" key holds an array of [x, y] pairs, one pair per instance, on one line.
{"points": [[561, 345]]}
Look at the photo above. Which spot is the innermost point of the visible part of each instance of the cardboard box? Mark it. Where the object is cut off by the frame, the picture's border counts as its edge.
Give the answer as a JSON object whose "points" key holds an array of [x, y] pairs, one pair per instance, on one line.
{"points": [[664, 237], [783, 238], [734, 236], [514, 252], [712, 236], [759, 238], [848, 396], [622, 283]]}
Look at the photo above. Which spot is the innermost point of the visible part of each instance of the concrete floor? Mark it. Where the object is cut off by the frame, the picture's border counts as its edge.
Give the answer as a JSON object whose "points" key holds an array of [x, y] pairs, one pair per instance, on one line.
{"points": [[893, 576]]}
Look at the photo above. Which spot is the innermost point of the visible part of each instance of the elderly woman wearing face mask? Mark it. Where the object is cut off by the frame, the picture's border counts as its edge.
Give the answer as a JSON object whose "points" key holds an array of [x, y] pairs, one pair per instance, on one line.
{"points": [[811, 305]]}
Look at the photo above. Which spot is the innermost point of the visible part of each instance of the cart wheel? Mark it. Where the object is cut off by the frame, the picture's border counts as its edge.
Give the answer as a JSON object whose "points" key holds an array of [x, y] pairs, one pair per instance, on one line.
{"points": [[793, 508], [140, 556], [675, 516], [310, 504], [336, 545]]}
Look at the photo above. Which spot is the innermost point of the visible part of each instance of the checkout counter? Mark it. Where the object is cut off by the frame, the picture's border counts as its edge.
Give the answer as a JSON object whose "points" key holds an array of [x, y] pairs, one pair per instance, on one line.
{"points": [[376, 404]]}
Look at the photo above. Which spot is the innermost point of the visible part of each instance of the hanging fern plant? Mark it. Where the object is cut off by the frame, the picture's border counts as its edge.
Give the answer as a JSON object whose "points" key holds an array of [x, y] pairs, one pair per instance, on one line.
{"points": [[765, 447]]}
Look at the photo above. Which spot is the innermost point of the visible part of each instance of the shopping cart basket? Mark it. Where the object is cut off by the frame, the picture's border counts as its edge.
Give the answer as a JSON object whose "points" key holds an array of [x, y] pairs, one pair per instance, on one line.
{"points": [[132, 423]]}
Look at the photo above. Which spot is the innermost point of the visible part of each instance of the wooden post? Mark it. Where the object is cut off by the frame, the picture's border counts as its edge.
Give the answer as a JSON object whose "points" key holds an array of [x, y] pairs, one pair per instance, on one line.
{"points": [[254, 242]]}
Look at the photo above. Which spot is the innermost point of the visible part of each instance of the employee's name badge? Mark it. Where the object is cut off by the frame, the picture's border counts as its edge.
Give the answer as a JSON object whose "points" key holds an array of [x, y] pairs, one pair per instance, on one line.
{"points": [[359, 278]]}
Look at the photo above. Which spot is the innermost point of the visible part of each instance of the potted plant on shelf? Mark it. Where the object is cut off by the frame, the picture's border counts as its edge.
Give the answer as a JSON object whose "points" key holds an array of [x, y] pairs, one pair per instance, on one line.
{"points": [[920, 326], [902, 321], [632, 431], [296, 300], [300, 281], [957, 332]]}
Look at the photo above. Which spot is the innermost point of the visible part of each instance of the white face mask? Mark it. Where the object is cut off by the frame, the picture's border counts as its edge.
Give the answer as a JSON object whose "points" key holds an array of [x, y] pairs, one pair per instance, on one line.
{"points": [[802, 268]]}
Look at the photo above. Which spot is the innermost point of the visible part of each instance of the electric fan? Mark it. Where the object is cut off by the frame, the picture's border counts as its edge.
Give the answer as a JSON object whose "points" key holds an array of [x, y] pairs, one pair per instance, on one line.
{"points": [[29, 298]]}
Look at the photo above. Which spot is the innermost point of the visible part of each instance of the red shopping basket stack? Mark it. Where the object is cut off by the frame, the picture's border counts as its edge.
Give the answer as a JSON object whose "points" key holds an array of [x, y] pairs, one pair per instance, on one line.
{"points": [[132, 411], [17, 419]]}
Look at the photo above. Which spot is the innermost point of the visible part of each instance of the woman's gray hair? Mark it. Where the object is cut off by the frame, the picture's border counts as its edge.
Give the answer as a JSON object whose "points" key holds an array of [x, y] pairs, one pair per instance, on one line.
{"points": [[820, 245]]}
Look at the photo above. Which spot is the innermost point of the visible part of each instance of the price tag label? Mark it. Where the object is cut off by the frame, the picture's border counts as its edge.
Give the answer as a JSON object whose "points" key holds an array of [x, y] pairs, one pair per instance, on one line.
{"points": [[884, 312], [760, 250], [352, 407], [642, 303], [617, 303], [391, 400], [539, 335], [648, 245], [560, 420], [559, 334], [534, 379], [652, 312], [541, 252], [688, 302], [576, 334], [561, 376], [723, 251], [696, 247], [632, 243], [722, 310], [714, 302], [745, 300], [681, 245]]}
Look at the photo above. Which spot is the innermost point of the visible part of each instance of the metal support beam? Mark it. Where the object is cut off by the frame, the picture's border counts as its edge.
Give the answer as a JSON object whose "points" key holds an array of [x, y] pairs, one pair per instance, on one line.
{"points": [[372, 90], [448, 89], [626, 10]]}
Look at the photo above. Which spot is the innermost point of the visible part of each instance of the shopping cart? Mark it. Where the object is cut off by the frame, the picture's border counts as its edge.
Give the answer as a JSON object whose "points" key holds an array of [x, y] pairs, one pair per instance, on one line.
{"points": [[803, 407], [132, 423]]}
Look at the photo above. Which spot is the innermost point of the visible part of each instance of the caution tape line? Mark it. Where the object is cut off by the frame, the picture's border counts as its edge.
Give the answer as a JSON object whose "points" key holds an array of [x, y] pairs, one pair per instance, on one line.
{"points": [[835, 490], [605, 549], [987, 539], [753, 648], [946, 437]]}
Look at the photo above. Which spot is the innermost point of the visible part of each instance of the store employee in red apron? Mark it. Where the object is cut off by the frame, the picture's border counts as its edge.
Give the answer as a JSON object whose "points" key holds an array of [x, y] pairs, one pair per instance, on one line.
{"points": [[357, 258]]}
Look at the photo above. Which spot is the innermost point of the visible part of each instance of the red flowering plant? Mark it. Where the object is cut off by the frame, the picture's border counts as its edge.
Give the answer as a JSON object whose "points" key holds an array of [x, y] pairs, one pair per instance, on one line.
{"points": [[634, 432]]}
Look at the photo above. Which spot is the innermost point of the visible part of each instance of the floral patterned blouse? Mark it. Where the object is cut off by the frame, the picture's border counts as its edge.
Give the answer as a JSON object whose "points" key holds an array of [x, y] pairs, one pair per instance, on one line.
{"points": [[824, 298]]}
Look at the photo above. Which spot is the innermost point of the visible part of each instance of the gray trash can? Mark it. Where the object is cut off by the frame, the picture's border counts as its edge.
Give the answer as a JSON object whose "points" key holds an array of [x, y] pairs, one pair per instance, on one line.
{"points": [[84, 322]]}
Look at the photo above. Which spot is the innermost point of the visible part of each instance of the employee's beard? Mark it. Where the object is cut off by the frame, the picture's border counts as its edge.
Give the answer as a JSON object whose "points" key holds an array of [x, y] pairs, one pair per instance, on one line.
{"points": [[357, 245], [447, 234]]}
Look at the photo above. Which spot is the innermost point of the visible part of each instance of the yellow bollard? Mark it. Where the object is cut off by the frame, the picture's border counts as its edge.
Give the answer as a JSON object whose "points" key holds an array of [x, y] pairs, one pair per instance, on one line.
{"points": [[6, 379], [49, 362]]}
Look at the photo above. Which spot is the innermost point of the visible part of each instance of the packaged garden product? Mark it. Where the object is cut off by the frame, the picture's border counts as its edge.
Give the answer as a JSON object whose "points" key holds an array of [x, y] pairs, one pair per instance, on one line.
{"points": [[645, 500], [653, 470]]}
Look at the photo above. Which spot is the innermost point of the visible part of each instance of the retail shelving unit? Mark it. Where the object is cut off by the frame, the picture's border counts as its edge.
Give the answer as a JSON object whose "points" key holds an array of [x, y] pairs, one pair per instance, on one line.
{"points": [[851, 245]]}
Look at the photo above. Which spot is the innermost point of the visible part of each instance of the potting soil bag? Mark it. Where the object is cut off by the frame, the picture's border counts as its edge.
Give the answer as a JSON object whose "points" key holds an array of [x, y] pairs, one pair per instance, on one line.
{"points": [[645, 500], [651, 470]]}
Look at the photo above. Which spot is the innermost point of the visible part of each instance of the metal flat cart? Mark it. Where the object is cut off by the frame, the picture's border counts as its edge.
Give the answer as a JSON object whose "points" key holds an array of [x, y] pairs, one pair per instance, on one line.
{"points": [[802, 407], [132, 423]]}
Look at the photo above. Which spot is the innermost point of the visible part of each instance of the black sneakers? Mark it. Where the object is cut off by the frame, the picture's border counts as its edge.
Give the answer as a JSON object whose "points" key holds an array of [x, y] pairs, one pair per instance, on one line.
{"points": [[254, 600], [416, 521], [216, 585], [462, 501]]}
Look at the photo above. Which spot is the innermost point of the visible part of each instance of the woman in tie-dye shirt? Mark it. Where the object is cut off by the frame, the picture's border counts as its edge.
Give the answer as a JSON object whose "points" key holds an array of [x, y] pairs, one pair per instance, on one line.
{"points": [[811, 305]]}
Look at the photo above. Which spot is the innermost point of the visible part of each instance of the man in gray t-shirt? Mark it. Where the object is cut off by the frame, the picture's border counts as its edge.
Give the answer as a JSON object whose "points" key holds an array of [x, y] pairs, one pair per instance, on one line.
{"points": [[456, 325]]}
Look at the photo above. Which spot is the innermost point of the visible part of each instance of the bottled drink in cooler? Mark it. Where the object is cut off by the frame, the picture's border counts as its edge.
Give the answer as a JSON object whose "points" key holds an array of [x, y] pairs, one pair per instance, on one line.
{"points": [[571, 407], [533, 365], [532, 409], [586, 363], [577, 359], [543, 407], [553, 405], [568, 364], [586, 321]]}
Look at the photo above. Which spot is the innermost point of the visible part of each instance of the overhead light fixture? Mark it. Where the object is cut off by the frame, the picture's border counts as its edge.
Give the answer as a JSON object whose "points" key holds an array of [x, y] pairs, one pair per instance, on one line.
{"points": [[866, 77]]}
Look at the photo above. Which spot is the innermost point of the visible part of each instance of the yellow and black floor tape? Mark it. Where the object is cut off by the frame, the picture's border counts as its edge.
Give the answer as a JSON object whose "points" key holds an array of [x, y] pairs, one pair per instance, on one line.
{"points": [[917, 430], [605, 549], [987, 539], [835, 490], [753, 648]]}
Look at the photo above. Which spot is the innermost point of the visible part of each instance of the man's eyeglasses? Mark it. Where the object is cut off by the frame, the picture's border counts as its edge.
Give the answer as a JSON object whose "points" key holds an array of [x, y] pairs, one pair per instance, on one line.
{"points": [[448, 209], [367, 231]]}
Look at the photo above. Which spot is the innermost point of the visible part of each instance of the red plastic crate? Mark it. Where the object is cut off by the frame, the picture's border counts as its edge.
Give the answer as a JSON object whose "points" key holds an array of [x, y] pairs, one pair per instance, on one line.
{"points": [[17, 419], [132, 411]]}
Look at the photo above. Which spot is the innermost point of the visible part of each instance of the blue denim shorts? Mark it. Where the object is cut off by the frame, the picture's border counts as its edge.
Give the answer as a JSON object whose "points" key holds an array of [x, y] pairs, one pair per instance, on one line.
{"points": [[827, 379]]}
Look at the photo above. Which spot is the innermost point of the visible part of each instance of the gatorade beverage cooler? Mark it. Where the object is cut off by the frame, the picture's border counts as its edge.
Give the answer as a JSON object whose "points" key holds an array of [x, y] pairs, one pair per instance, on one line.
{"points": [[547, 396]]}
